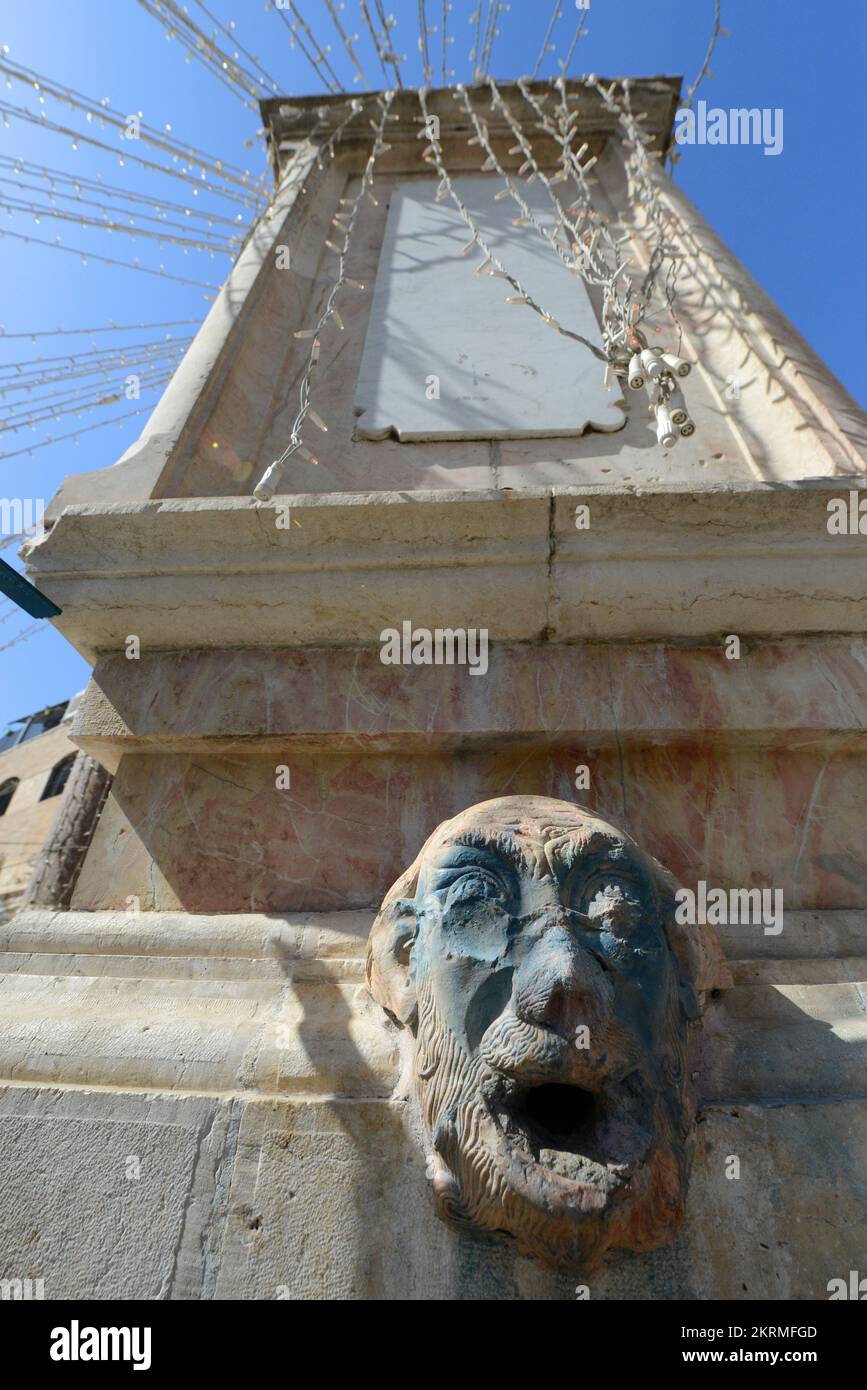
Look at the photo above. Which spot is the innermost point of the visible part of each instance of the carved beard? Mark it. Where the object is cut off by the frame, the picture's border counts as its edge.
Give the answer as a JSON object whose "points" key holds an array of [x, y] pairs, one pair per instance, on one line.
{"points": [[617, 1181]]}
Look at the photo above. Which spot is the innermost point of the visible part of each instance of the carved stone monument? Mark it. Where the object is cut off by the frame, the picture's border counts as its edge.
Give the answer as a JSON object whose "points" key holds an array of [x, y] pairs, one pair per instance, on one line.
{"points": [[238, 1117]]}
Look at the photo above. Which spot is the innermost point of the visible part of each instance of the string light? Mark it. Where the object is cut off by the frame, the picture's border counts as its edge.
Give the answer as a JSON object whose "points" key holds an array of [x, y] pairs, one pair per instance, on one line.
{"points": [[107, 260], [423, 45], [476, 18], [73, 434], [250, 199], [447, 39], [622, 310], [388, 23], [377, 42], [571, 259], [24, 634], [357, 105], [268, 483], [621, 303], [491, 265], [566, 63], [23, 404], [584, 253], [672, 156], [229, 32], [104, 328], [55, 177], [547, 46], [384, 50], [105, 115], [642, 190], [67, 403], [347, 43], [21, 391], [40, 210], [79, 363], [178, 24], [494, 11], [704, 71], [318, 60], [42, 371]]}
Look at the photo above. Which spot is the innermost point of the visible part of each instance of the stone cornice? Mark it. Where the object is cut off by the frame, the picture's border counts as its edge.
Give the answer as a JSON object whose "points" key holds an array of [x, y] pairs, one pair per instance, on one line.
{"points": [[655, 563], [291, 120]]}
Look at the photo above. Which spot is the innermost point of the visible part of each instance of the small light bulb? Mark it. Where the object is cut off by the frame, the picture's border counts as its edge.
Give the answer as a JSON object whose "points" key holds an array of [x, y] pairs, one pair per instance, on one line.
{"points": [[677, 406], [665, 432], [676, 364], [651, 364]]}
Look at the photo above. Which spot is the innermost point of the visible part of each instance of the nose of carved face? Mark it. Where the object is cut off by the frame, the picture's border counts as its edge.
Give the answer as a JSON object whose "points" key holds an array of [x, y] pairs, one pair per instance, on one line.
{"points": [[558, 1027], [560, 986]]}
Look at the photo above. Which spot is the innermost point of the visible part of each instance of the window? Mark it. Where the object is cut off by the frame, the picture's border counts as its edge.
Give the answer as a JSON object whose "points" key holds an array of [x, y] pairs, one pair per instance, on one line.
{"points": [[46, 719], [32, 725], [7, 791], [58, 777]]}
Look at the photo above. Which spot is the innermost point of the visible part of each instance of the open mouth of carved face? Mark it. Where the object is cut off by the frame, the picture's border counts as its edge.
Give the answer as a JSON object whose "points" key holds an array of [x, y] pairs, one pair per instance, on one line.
{"points": [[584, 1136], [559, 1114]]}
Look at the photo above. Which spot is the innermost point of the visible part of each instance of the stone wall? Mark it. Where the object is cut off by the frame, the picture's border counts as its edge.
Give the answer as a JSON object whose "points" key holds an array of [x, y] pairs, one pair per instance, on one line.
{"points": [[212, 1107]]}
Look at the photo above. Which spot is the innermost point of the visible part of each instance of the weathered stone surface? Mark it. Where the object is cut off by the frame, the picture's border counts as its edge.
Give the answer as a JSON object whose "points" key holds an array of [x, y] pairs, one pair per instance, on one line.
{"points": [[330, 698], [112, 1196], [156, 1035], [329, 1200], [213, 833], [301, 1229]]}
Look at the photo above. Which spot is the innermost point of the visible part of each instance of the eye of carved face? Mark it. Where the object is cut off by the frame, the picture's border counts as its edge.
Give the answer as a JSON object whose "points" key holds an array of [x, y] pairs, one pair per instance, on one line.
{"points": [[612, 902], [469, 887], [476, 900], [545, 1005]]}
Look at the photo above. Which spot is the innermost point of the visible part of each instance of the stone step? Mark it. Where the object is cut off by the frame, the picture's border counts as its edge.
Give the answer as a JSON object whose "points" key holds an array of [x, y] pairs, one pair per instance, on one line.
{"points": [[174, 935], [765, 1040], [788, 1030], [195, 1036], [278, 1005]]}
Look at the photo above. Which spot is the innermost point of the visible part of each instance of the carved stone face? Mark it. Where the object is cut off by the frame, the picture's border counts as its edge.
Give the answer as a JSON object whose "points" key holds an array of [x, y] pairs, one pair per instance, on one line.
{"points": [[532, 952]]}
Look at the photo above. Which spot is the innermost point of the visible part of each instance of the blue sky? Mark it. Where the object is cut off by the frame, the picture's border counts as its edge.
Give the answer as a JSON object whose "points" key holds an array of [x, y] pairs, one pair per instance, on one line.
{"points": [[795, 220]]}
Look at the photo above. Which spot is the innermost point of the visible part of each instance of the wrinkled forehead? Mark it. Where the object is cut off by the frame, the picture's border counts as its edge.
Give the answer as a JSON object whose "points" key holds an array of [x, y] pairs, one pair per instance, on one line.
{"points": [[536, 840]]}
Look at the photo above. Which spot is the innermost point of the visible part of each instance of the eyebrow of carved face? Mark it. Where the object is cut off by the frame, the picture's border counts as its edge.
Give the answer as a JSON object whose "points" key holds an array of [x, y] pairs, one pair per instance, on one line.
{"points": [[565, 856], [470, 851], [600, 850]]}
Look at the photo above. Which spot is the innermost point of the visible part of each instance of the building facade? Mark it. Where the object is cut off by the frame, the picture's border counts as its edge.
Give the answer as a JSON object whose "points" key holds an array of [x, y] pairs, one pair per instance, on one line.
{"points": [[36, 758]]}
